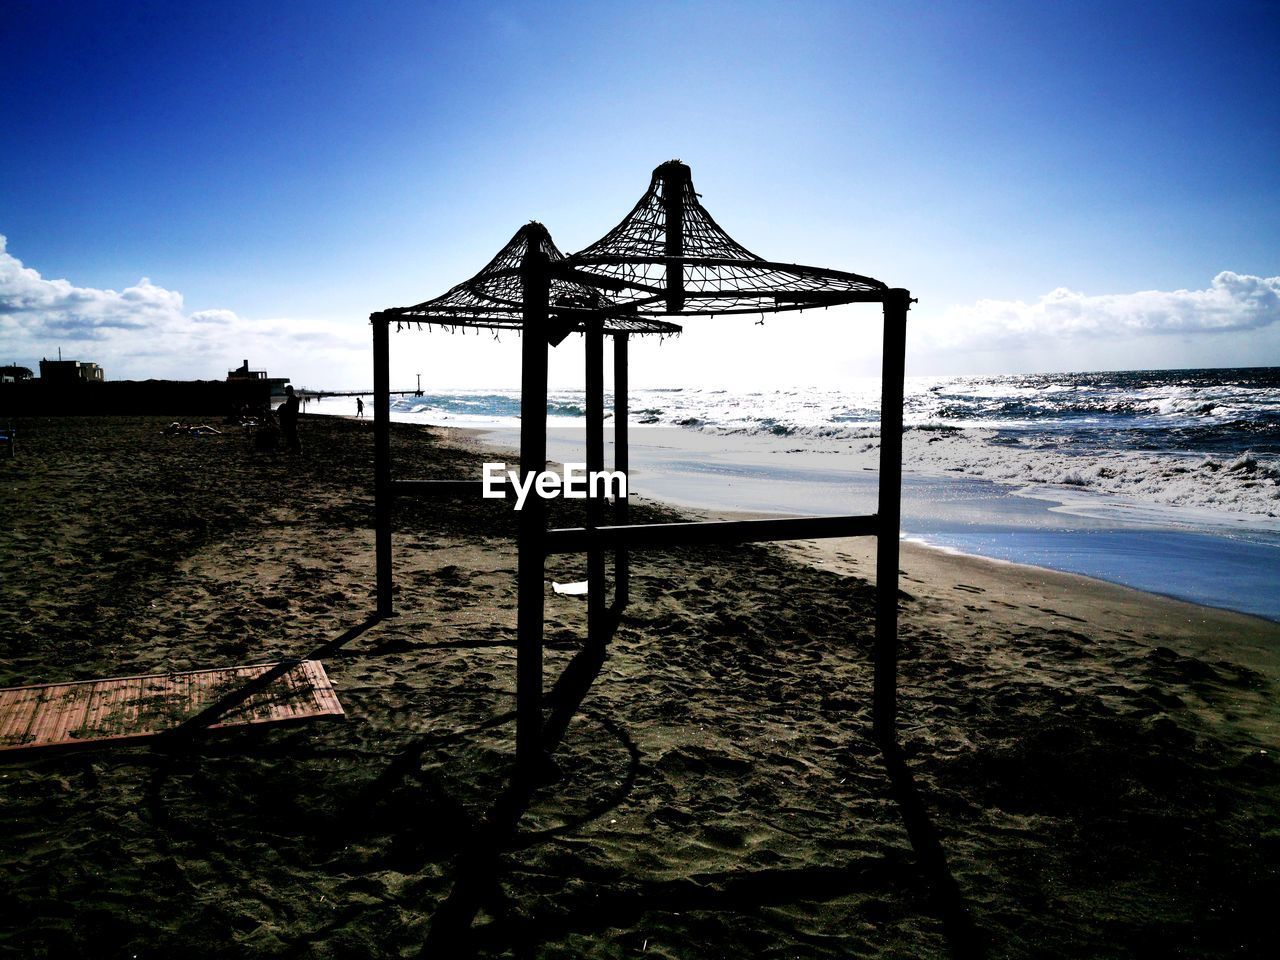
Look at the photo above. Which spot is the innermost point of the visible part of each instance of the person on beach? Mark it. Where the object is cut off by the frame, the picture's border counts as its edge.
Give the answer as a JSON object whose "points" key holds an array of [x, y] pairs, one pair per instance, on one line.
{"points": [[359, 408], [289, 419]]}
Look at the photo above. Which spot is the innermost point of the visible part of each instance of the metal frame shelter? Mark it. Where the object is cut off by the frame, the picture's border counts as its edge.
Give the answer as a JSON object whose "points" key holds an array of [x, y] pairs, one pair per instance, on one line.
{"points": [[667, 257]]}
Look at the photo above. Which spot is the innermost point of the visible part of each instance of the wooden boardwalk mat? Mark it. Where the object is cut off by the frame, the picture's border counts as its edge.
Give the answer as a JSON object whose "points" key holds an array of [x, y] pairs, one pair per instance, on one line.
{"points": [[127, 709]]}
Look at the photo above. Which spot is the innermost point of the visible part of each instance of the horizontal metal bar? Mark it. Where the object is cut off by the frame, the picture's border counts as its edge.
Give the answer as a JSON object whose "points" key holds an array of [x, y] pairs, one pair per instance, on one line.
{"points": [[707, 532], [441, 489]]}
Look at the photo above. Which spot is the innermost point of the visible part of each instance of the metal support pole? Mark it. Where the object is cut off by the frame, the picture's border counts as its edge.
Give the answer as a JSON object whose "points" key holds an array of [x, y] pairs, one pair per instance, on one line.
{"points": [[621, 463], [595, 463], [382, 460], [885, 696], [532, 521]]}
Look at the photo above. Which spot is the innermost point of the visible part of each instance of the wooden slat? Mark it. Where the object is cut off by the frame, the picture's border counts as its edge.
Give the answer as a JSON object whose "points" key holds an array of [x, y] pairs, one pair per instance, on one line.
{"points": [[24, 714], [7, 710], [72, 707], [110, 718], [43, 718], [120, 709]]}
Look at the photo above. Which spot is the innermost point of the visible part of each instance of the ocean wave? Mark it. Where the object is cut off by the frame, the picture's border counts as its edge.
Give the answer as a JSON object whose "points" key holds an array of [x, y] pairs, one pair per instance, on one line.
{"points": [[1244, 484], [1207, 438]]}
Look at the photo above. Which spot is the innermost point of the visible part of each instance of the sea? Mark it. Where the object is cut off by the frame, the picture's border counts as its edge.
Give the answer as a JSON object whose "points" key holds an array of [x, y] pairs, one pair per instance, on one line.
{"points": [[1164, 480]]}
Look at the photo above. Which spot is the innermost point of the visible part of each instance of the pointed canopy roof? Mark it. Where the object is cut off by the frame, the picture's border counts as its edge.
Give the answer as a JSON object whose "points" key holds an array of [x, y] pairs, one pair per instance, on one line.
{"points": [[667, 257], [494, 297]]}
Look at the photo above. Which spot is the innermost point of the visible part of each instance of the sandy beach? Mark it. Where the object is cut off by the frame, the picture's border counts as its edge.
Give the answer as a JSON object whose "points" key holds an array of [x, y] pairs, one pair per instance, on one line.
{"points": [[1086, 770]]}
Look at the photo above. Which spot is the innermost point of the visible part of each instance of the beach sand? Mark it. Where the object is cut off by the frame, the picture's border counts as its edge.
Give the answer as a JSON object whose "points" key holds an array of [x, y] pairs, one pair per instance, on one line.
{"points": [[1085, 770]]}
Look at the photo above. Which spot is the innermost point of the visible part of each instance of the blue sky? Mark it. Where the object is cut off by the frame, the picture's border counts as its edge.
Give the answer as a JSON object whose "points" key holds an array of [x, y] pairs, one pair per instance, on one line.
{"points": [[1063, 185]]}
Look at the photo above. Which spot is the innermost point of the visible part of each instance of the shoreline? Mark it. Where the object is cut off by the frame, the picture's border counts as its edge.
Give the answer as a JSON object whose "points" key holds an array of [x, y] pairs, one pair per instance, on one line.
{"points": [[855, 556], [492, 442]]}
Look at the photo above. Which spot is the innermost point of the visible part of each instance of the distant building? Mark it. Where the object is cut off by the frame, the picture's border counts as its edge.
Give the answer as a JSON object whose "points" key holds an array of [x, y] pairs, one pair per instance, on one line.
{"points": [[70, 371], [243, 372], [13, 373]]}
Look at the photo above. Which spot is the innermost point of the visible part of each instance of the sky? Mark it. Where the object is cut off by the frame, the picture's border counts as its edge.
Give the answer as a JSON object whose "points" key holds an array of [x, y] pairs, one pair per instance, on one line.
{"points": [[1064, 186]]}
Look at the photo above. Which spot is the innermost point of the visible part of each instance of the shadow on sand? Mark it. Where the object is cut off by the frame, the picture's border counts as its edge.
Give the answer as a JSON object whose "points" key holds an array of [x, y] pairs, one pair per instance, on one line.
{"points": [[948, 901], [185, 733], [477, 869]]}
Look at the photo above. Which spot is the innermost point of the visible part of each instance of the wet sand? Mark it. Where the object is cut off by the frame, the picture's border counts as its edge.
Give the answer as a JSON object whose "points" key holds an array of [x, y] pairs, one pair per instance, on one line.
{"points": [[1085, 770]]}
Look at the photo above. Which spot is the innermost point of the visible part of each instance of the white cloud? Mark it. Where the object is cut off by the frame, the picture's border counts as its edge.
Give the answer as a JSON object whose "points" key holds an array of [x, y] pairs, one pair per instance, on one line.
{"points": [[214, 316], [1232, 303], [145, 331]]}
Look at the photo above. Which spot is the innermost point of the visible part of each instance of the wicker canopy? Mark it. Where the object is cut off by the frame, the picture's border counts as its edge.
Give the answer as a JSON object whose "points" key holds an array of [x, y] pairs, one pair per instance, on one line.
{"points": [[494, 297], [667, 257], [697, 268]]}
